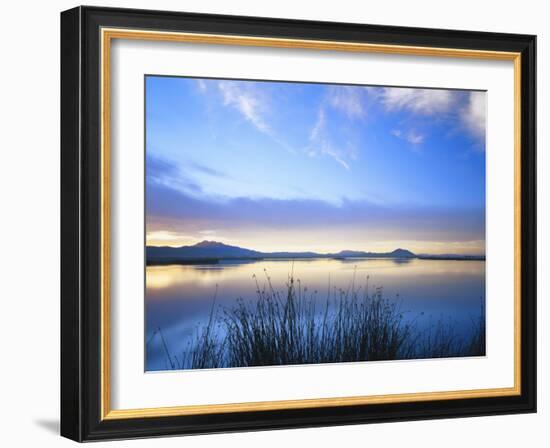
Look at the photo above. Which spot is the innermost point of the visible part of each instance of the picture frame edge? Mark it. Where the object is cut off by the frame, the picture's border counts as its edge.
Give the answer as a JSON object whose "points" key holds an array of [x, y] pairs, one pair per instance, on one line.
{"points": [[80, 233]]}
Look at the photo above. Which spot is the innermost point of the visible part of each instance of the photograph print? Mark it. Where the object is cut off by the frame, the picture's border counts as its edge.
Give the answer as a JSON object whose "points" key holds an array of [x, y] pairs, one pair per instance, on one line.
{"points": [[292, 223]]}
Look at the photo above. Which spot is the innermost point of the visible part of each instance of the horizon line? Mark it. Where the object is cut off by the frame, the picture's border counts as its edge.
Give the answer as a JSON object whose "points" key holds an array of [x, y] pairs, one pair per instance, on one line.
{"points": [[319, 253]]}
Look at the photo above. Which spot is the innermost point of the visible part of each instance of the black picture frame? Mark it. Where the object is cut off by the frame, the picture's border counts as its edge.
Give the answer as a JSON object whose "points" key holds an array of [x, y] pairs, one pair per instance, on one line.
{"points": [[81, 224]]}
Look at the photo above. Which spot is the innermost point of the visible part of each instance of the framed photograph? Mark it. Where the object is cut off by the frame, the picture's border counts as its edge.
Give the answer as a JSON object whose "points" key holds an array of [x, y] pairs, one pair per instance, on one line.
{"points": [[274, 223]]}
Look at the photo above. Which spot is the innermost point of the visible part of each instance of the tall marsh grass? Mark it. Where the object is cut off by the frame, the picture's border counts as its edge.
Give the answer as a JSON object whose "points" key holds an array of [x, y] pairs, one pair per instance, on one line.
{"points": [[286, 327]]}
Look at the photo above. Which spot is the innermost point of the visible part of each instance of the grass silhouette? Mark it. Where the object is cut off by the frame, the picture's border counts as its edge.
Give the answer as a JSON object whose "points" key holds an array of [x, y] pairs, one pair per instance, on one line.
{"points": [[288, 327]]}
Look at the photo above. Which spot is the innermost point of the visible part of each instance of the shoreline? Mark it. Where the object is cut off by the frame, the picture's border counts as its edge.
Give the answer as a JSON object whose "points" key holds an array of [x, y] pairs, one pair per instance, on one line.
{"points": [[213, 260]]}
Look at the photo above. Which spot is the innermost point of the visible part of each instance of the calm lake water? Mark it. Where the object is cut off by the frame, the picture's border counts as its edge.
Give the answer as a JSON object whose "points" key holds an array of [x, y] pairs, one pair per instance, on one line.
{"points": [[179, 298]]}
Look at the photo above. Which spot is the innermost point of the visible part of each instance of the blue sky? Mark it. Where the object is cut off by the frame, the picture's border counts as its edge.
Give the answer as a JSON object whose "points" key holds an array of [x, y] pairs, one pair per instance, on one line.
{"points": [[298, 166]]}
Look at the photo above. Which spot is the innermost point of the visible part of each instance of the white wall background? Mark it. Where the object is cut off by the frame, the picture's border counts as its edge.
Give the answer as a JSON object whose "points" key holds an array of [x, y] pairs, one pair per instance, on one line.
{"points": [[29, 224]]}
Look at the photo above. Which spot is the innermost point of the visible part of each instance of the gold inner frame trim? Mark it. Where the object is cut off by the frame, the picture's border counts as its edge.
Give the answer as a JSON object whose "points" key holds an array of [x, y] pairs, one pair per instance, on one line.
{"points": [[107, 35]]}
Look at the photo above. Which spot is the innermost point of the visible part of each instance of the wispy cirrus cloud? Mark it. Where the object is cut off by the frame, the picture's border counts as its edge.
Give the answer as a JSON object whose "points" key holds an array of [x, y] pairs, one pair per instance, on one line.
{"points": [[473, 115], [338, 100], [411, 136], [317, 129], [247, 101], [253, 103], [420, 101], [467, 109], [201, 85], [347, 99], [321, 144]]}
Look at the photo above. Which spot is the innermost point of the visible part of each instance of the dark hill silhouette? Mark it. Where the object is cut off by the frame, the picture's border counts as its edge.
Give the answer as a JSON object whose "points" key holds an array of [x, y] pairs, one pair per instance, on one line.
{"points": [[202, 250], [214, 251]]}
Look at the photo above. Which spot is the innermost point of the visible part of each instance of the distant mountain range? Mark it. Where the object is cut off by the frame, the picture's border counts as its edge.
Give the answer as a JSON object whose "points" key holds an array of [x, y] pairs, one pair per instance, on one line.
{"points": [[213, 252]]}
